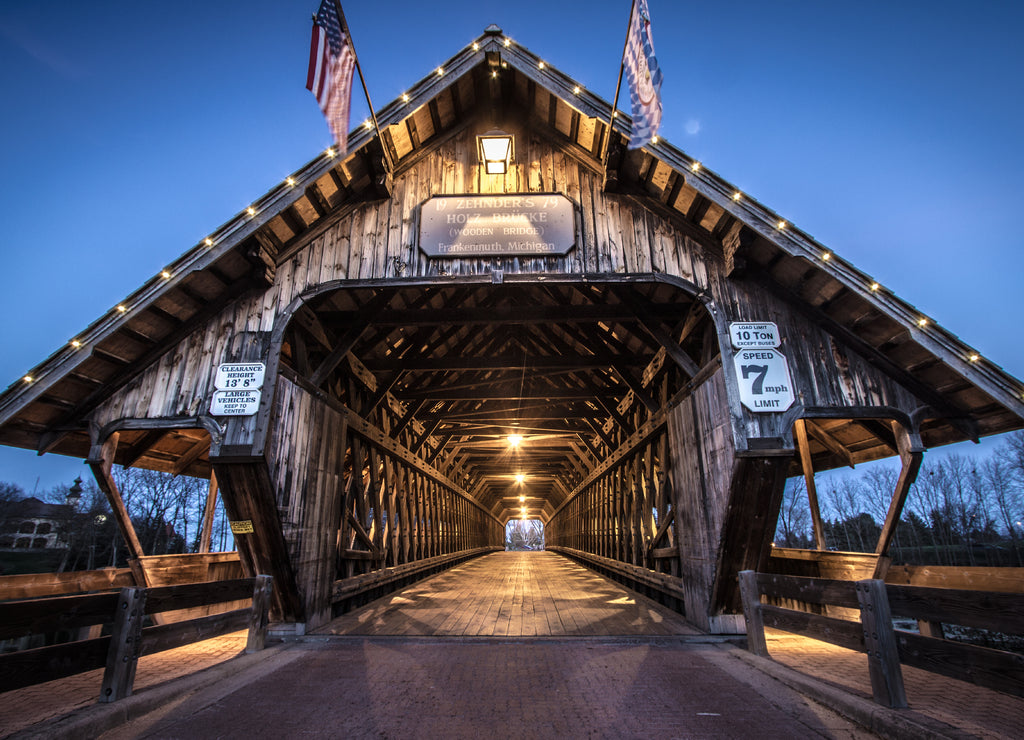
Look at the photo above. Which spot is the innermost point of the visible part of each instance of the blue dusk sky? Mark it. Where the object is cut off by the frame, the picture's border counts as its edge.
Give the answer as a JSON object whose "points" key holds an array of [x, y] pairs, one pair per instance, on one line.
{"points": [[889, 131]]}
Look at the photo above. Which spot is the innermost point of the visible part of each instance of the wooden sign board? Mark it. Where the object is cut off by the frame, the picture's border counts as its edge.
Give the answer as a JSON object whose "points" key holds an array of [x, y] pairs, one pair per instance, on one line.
{"points": [[497, 225], [243, 526], [235, 403]]}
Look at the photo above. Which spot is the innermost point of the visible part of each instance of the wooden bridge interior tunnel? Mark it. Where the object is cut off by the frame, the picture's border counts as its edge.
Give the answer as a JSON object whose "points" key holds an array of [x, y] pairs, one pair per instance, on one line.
{"points": [[411, 422]]}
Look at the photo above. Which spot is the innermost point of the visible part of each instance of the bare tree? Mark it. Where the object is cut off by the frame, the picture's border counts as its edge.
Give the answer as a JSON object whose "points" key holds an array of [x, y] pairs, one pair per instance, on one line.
{"points": [[1004, 495], [845, 499], [793, 528], [165, 509]]}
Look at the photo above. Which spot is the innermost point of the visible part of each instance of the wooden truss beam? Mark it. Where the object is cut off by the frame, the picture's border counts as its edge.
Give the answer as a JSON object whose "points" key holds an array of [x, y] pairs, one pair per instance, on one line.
{"points": [[101, 458]]}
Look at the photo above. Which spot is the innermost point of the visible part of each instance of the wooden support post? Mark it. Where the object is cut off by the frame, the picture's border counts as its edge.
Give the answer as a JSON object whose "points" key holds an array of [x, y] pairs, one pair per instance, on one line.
{"points": [[800, 427], [101, 458], [880, 644], [125, 645], [206, 533], [259, 614], [911, 453], [751, 598]]}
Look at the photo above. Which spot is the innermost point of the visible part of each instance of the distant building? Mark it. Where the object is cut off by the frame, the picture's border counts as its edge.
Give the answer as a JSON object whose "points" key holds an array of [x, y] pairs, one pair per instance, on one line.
{"points": [[31, 524]]}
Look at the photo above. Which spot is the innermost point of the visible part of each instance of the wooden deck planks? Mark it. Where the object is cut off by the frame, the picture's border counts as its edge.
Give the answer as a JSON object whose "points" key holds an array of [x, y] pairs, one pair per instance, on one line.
{"points": [[513, 594]]}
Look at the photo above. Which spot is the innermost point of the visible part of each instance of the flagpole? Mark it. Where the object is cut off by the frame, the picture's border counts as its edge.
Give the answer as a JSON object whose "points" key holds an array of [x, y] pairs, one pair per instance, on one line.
{"points": [[618, 84], [366, 92]]}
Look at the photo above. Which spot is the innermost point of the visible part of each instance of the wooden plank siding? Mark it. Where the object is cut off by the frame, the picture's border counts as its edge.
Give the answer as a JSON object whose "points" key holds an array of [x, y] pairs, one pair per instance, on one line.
{"points": [[615, 234]]}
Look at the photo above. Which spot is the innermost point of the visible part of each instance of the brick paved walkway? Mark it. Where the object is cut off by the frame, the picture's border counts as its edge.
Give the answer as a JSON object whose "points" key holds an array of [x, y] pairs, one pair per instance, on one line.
{"points": [[614, 687], [969, 708], [34, 704], [453, 688]]}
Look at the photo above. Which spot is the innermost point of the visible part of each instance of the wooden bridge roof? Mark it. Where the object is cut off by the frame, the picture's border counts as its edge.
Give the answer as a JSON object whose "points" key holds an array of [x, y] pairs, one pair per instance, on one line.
{"points": [[496, 76]]}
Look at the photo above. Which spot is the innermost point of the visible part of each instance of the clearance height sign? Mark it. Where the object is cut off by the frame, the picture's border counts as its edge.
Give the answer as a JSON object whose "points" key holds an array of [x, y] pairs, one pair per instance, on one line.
{"points": [[238, 387], [761, 370]]}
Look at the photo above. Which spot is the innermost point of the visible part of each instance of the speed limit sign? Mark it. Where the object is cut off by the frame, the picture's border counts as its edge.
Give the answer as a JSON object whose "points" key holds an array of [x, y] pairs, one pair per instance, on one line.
{"points": [[764, 380]]}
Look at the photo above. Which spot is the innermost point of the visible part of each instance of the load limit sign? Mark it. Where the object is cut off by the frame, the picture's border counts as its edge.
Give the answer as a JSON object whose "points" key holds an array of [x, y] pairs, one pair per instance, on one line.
{"points": [[765, 384]]}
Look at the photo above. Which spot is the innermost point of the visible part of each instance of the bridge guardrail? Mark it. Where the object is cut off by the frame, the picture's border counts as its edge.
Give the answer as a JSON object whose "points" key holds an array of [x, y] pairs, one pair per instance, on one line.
{"points": [[889, 648], [118, 653]]}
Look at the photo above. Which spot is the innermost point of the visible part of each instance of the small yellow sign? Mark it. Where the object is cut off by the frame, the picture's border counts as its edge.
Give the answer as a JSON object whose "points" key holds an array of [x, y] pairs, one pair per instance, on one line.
{"points": [[242, 527]]}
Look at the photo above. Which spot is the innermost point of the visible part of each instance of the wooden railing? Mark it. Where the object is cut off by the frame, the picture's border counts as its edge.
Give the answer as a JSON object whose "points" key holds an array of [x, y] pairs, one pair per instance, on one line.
{"points": [[125, 610], [886, 647], [665, 588], [349, 593]]}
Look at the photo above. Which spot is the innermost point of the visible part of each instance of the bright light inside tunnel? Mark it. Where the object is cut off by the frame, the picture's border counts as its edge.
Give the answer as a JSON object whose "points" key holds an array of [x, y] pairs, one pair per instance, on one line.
{"points": [[520, 477], [515, 439]]}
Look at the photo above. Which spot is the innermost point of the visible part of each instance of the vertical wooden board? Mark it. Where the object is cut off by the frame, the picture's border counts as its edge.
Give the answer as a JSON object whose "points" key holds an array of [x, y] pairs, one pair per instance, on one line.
{"points": [[409, 238], [167, 381], [380, 241], [577, 258], [547, 165], [187, 396], [314, 255], [601, 219], [341, 246], [368, 255], [682, 256], [391, 235], [328, 259], [353, 232], [643, 237], [700, 265], [662, 259], [420, 195], [289, 273], [588, 233], [630, 249], [613, 206]]}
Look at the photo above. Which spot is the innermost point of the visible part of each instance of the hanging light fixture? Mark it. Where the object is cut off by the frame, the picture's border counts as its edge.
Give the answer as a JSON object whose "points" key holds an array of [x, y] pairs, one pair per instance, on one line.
{"points": [[496, 150]]}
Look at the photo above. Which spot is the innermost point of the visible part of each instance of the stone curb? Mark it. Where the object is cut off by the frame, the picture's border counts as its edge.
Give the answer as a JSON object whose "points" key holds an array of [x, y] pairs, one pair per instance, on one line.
{"points": [[95, 719], [899, 724]]}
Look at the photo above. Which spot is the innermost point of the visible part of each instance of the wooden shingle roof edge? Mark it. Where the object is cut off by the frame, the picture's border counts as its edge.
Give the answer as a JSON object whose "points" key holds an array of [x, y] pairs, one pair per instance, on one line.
{"points": [[987, 376]]}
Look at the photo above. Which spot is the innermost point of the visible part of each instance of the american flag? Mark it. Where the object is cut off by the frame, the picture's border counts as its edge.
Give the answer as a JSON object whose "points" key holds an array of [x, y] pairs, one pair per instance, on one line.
{"points": [[644, 77], [331, 62]]}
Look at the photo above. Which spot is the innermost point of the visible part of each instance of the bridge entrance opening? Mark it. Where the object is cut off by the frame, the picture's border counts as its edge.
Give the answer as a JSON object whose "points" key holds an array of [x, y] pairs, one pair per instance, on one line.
{"points": [[524, 535], [468, 404]]}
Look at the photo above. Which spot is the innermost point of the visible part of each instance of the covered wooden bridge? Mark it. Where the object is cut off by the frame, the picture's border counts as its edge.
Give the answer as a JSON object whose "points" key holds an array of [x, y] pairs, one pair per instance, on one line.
{"points": [[625, 347]]}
